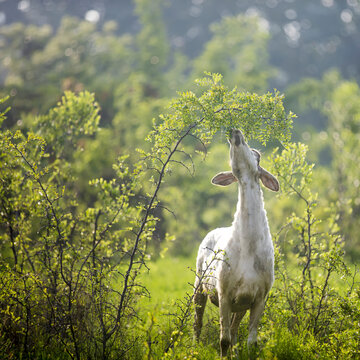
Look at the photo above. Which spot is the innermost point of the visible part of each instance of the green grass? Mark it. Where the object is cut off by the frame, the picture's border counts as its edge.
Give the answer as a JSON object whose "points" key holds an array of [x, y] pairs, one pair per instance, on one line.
{"points": [[168, 279]]}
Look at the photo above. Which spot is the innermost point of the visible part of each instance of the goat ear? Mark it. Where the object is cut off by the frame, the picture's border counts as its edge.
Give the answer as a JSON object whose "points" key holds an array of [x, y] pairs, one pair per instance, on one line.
{"points": [[269, 180], [224, 178]]}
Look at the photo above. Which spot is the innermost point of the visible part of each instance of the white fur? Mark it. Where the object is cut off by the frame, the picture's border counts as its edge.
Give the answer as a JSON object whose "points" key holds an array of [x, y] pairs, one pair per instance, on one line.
{"points": [[235, 265]]}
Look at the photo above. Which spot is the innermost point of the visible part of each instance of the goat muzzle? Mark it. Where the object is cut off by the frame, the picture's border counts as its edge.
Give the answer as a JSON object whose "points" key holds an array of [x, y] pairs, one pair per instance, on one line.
{"points": [[236, 137]]}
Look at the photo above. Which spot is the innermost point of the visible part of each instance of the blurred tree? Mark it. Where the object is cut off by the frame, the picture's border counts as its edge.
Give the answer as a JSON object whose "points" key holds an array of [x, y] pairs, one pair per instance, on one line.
{"points": [[18, 73], [139, 99], [238, 51], [337, 100], [344, 135], [37, 65], [135, 109], [152, 45], [307, 37]]}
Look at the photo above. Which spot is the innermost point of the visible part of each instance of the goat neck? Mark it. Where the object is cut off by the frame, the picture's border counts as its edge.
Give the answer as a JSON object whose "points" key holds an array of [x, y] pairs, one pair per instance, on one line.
{"points": [[250, 215]]}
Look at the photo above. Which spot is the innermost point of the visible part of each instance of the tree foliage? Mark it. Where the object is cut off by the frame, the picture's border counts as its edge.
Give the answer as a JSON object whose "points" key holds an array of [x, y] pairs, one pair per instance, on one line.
{"points": [[260, 117], [58, 259], [306, 299], [72, 255]]}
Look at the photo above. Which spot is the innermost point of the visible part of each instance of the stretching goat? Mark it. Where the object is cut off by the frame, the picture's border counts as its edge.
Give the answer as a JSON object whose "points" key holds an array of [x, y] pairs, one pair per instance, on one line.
{"points": [[235, 265]]}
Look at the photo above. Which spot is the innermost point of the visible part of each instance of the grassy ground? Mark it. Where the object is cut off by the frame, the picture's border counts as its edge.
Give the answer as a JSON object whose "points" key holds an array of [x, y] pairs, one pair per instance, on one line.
{"points": [[169, 279], [170, 283]]}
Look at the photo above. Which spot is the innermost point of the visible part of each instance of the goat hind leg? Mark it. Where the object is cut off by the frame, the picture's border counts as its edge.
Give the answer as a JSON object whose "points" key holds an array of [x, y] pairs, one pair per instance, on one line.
{"points": [[200, 302]]}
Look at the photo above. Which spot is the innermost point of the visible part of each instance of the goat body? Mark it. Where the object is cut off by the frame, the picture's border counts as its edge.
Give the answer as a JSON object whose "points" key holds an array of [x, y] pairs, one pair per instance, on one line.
{"points": [[235, 265]]}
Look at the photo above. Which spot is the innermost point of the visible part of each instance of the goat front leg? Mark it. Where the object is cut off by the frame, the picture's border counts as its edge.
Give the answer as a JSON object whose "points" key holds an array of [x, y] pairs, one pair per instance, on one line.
{"points": [[225, 321], [236, 319]]}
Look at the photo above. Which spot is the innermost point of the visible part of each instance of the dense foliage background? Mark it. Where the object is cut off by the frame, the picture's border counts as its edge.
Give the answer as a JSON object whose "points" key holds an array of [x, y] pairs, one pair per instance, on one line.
{"points": [[107, 147]]}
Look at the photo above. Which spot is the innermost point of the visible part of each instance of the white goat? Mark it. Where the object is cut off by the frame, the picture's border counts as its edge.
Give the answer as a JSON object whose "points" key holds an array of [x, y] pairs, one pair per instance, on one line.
{"points": [[235, 265]]}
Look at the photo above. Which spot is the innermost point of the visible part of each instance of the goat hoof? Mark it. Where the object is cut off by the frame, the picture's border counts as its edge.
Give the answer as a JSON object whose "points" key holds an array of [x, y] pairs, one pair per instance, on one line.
{"points": [[224, 343], [253, 350]]}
